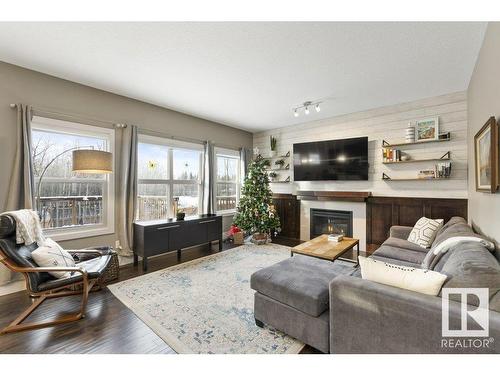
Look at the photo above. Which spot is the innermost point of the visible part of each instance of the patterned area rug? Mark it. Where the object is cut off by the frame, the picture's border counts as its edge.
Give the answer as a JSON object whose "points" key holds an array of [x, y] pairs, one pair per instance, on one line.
{"points": [[206, 305]]}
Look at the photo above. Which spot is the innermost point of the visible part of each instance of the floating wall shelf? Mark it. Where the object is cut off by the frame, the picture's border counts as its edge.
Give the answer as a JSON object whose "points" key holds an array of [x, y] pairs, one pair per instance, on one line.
{"points": [[385, 177], [446, 156], [386, 144], [287, 155]]}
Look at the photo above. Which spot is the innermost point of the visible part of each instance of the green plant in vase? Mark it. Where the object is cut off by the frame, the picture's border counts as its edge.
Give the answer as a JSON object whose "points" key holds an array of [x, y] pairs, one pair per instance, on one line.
{"points": [[280, 163], [273, 143]]}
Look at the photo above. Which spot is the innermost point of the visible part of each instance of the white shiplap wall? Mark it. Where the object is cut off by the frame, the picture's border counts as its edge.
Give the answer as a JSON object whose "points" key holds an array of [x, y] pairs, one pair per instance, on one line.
{"points": [[387, 123]]}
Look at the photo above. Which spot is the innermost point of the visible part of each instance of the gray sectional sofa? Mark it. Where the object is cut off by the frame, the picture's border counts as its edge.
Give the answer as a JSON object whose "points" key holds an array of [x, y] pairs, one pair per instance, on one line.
{"points": [[330, 307]]}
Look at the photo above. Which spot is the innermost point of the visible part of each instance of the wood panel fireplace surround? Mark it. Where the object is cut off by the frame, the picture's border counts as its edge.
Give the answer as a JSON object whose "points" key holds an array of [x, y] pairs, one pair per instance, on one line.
{"points": [[381, 212]]}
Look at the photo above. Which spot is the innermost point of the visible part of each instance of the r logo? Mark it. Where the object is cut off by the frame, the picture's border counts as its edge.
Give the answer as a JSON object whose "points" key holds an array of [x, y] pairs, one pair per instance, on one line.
{"points": [[479, 315]]}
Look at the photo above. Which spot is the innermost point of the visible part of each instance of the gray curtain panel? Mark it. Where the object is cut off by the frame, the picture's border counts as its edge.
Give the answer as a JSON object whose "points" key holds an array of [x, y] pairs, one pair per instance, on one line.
{"points": [[208, 179], [21, 191], [128, 189]]}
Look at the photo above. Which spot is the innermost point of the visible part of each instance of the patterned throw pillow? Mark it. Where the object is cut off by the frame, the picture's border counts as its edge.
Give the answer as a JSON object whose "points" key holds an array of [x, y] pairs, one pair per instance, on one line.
{"points": [[50, 254], [424, 231], [409, 278]]}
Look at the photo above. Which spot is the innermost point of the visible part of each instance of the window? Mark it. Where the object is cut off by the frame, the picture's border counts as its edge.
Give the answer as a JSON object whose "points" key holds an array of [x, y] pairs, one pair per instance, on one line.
{"points": [[227, 179], [71, 205], [168, 169]]}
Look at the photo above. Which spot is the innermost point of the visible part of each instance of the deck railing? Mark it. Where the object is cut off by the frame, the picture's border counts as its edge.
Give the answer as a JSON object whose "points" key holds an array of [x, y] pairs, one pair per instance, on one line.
{"points": [[59, 212]]}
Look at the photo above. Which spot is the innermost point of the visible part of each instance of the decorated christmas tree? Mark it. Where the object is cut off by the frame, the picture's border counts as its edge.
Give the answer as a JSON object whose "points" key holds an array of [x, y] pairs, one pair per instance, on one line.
{"points": [[256, 214]]}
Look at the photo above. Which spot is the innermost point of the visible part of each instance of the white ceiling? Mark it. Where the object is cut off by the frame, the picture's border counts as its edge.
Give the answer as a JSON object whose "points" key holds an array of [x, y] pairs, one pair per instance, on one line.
{"points": [[250, 75]]}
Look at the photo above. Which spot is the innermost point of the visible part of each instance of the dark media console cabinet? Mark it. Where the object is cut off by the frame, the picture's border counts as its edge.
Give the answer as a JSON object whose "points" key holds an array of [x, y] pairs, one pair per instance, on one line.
{"points": [[162, 236]]}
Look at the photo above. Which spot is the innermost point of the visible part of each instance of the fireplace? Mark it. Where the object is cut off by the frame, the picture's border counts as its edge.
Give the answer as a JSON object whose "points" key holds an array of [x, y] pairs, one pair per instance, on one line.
{"points": [[330, 221]]}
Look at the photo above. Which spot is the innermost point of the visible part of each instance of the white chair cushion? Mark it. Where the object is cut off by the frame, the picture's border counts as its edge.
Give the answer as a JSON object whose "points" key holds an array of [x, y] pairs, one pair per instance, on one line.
{"points": [[409, 278], [50, 254], [424, 232]]}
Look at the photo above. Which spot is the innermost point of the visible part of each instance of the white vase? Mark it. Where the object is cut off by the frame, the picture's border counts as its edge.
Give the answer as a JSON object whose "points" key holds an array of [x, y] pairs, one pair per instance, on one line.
{"points": [[272, 153]]}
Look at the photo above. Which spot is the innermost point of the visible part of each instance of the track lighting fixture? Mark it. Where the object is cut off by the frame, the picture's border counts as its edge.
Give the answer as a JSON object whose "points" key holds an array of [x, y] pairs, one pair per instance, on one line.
{"points": [[306, 106]]}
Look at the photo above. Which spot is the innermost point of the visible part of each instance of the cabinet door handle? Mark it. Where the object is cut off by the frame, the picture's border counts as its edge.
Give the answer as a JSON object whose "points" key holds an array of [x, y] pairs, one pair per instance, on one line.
{"points": [[169, 227], [207, 221]]}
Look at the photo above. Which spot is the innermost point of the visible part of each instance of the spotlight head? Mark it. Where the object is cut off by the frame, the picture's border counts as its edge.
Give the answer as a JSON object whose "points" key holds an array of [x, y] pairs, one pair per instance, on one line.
{"points": [[306, 110], [317, 107], [296, 113]]}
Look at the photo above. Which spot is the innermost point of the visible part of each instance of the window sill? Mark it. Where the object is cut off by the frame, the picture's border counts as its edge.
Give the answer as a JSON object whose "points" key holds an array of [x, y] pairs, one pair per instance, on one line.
{"points": [[226, 213], [73, 233]]}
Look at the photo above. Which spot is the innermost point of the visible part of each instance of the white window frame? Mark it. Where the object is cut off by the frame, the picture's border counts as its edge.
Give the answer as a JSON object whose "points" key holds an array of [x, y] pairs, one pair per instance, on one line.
{"points": [[233, 154], [108, 217], [170, 181]]}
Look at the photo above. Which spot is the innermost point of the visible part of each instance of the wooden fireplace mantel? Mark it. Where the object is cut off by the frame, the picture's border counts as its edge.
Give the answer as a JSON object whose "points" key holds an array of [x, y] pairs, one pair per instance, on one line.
{"points": [[348, 196]]}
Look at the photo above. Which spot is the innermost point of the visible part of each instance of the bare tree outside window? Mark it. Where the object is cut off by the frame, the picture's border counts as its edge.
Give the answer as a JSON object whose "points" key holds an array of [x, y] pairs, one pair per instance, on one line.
{"points": [[66, 199]]}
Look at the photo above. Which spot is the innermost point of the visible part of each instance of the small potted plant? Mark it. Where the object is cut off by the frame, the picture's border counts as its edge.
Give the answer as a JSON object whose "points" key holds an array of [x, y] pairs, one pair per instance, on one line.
{"points": [[280, 163], [180, 215], [273, 175], [273, 143]]}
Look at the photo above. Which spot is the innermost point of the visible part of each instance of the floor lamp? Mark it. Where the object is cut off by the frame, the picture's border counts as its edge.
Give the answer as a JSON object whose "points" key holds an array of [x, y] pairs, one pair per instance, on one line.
{"points": [[85, 160]]}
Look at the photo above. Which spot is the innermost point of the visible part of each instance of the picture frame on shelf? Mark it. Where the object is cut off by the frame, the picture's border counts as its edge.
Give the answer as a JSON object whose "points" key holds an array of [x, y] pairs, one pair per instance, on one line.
{"points": [[427, 129], [486, 157]]}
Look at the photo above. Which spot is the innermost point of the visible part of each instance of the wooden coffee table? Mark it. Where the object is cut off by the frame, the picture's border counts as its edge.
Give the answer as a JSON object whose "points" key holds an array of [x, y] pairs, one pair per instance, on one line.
{"points": [[320, 247]]}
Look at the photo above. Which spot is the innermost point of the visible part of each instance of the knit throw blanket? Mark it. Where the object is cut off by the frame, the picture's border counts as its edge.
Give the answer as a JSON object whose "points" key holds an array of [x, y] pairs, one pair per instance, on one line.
{"points": [[28, 227]]}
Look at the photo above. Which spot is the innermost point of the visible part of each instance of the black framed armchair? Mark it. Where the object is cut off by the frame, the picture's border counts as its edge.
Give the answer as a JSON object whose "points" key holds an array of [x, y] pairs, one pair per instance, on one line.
{"points": [[40, 284]]}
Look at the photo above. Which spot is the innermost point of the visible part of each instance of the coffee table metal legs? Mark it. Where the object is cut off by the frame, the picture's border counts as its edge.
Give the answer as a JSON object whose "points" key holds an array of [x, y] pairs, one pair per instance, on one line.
{"points": [[356, 260]]}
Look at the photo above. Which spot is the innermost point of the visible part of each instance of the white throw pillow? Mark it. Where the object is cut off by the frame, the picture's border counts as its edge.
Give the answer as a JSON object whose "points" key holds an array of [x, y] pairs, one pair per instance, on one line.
{"points": [[424, 231], [415, 279], [50, 254]]}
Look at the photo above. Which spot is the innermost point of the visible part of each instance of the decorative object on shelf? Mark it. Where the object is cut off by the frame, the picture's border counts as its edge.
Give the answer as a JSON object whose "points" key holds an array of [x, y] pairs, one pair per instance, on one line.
{"points": [[256, 214], [273, 175], [443, 137], [391, 155], [180, 215], [410, 133], [486, 157], [273, 143], [427, 173], [405, 158], [306, 107], [427, 129], [442, 170], [280, 163]]}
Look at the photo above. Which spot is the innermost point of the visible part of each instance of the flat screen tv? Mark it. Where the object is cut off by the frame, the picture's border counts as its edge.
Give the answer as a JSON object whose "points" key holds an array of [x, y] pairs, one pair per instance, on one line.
{"points": [[342, 159]]}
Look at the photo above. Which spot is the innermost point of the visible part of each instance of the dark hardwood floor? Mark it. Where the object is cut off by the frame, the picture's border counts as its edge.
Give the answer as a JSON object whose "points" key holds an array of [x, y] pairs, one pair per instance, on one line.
{"points": [[109, 326]]}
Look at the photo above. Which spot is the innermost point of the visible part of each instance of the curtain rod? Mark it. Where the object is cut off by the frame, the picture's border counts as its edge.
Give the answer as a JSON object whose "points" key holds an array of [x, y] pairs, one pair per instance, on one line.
{"points": [[190, 140], [156, 133], [121, 125], [43, 111]]}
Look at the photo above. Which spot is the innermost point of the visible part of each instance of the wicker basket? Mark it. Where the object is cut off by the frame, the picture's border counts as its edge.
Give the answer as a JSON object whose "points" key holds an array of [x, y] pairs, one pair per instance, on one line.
{"points": [[112, 271]]}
